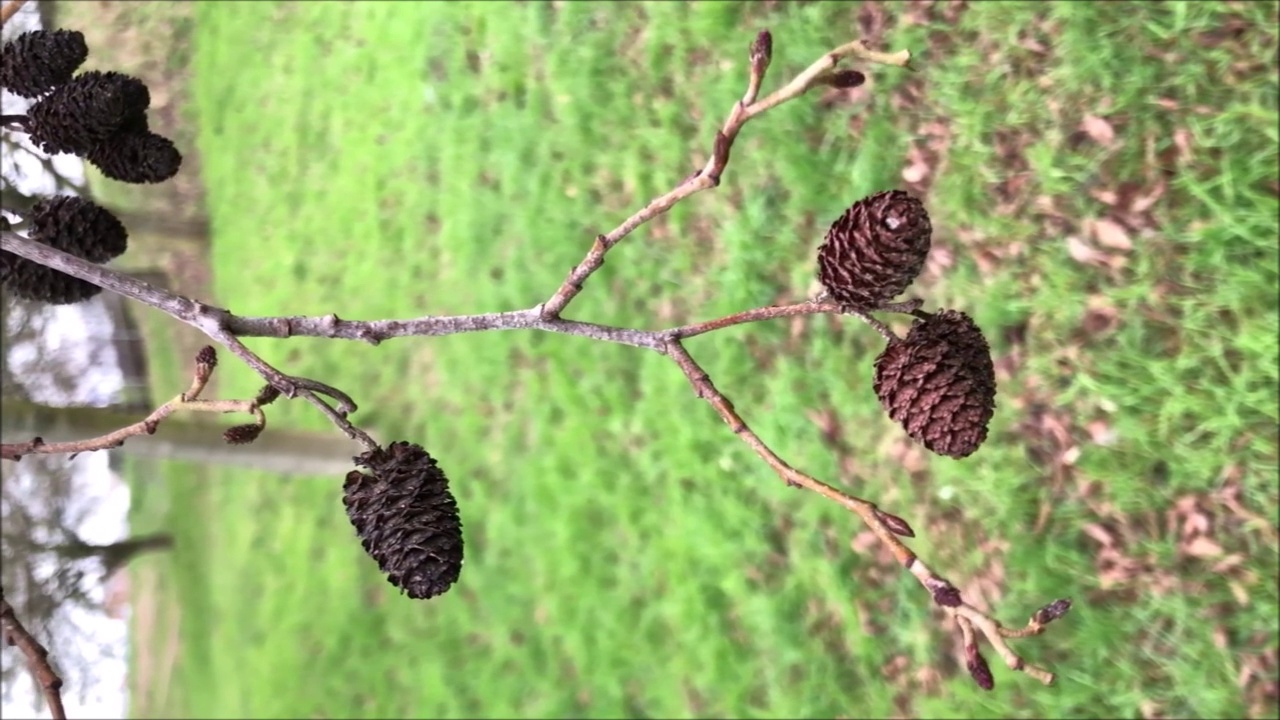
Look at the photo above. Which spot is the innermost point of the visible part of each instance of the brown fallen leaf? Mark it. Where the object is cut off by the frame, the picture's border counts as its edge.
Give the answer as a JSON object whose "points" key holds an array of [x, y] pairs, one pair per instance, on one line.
{"points": [[916, 172], [1105, 196], [1082, 252], [1100, 534], [1098, 130], [1202, 547], [1182, 141], [1111, 234], [1145, 201], [1101, 316], [1101, 433]]}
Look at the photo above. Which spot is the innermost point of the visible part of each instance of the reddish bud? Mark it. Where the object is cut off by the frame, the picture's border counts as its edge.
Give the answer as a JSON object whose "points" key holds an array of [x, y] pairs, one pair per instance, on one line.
{"points": [[944, 593], [1051, 612], [845, 79], [207, 356], [720, 156], [896, 525], [978, 668], [761, 52]]}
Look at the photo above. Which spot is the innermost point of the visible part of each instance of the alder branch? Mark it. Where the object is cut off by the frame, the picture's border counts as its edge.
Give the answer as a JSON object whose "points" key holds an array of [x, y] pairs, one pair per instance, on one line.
{"points": [[227, 329], [212, 321], [37, 658]]}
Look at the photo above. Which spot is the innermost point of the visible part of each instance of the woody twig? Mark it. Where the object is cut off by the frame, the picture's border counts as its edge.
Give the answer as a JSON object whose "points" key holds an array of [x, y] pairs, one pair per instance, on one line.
{"points": [[939, 334], [206, 361], [37, 655]]}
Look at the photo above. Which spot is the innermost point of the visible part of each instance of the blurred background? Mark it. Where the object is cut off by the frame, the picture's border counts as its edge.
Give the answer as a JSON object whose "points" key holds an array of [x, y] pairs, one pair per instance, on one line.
{"points": [[1103, 184]]}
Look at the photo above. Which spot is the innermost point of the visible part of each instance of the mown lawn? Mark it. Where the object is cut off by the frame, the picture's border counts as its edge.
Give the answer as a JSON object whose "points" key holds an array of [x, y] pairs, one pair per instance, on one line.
{"points": [[1103, 183]]}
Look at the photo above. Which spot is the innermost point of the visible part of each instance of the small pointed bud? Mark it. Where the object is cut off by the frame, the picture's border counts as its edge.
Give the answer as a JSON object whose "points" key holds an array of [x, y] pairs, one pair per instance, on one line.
{"points": [[761, 53], [978, 668], [845, 79], [1051, 612], [896, 525], [719, 156]]}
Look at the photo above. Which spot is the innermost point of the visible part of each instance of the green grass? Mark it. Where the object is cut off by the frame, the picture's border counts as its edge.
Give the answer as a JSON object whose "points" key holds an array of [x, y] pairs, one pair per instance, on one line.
{"points": [[626, 556]]}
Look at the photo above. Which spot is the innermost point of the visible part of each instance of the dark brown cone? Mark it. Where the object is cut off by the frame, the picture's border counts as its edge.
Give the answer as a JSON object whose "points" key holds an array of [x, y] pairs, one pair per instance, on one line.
{"points": [[939, 383], [406, 518], [80, 227], [875, 250], [73, 225], [88, 110], [37, 283], [36, 62], [137, 157]]}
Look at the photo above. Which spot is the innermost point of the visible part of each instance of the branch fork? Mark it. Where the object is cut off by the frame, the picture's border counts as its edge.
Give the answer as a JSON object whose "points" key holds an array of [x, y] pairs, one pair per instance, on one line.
{"points": [[188, 400]]}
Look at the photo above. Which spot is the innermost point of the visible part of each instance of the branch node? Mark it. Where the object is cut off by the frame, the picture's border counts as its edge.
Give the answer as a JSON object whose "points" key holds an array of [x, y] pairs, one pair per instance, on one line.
{"points": [[943, 592], [37, 657]]}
